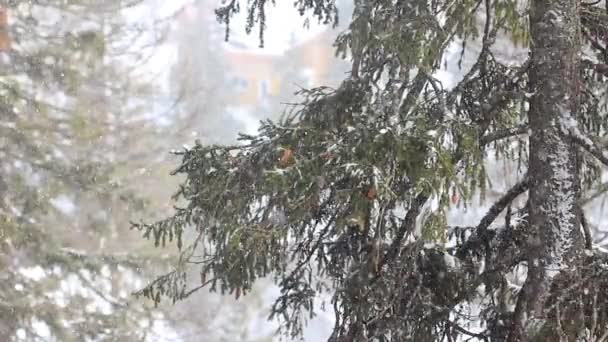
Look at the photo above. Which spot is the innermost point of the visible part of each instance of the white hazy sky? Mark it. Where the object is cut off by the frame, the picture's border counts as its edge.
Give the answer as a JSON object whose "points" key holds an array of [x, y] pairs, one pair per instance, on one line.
{"points": [[283, 24]]}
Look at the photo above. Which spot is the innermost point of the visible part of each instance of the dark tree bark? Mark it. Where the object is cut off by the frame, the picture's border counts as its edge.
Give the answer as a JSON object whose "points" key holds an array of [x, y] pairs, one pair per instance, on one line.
{"points": [[555, 243]]}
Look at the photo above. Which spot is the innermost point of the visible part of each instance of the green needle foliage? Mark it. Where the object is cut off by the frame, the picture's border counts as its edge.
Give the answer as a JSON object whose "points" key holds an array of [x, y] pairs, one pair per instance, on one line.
{"points": [[347, 195]]}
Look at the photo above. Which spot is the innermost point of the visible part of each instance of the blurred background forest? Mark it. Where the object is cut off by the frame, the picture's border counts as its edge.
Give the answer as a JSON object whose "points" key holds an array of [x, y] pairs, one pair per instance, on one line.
{"points": [[93, 97], [94, 94]]}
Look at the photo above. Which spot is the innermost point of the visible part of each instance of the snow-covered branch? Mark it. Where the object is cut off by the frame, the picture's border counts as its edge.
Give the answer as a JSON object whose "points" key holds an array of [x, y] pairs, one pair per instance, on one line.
{"points": [[503, 133], [600, 68], [408, 225], [586, 143], [492, 214]]}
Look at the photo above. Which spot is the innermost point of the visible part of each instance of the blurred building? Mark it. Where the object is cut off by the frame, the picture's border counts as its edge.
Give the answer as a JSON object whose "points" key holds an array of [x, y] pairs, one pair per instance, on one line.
{"points": [[291, 53], [258, 75]]}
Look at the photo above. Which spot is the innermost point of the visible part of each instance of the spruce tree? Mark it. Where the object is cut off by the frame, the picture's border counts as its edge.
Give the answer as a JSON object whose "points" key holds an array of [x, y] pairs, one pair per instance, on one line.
{"points": [[65, 105], [347, 197]]}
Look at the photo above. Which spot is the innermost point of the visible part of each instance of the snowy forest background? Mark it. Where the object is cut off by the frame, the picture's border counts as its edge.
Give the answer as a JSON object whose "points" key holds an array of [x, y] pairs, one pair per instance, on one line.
{"points": [[93, 97]]}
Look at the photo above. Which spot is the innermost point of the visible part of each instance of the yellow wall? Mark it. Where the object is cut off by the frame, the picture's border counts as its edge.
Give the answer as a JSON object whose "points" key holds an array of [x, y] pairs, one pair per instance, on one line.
{"points": [[315, 55]]}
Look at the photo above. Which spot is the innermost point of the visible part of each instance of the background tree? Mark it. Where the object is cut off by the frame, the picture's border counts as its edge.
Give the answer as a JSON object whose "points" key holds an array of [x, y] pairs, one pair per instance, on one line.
{"points": [[67, 97], [198, 78], [349, 196]]}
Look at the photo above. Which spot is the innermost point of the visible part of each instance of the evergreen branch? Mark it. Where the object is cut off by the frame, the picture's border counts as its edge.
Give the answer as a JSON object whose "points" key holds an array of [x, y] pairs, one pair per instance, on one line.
{"points": [[517, 324], [590, 3], [503, 202], [410, 219], [481, 231], [600, 68], [488, 40], [471, 334], [413, 93], [588, 145], [502, 134], [194, 289], [408, 225], [586, 230], [593, 42], [599, 191], [105, 297], [304, 262], [419, 82]]}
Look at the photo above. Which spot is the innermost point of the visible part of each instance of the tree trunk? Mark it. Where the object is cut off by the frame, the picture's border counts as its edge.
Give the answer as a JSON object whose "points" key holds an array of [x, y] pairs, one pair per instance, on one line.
{"points": [[555, 241]]}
